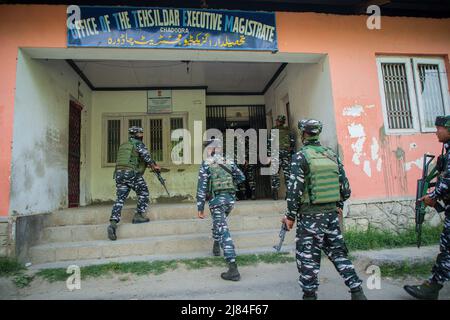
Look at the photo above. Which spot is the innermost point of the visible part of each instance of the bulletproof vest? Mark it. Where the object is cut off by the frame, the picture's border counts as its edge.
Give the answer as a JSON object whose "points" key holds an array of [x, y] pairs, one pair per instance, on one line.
{"points": [[284, 138], [128, 157], [220, 179], [322, 182]]}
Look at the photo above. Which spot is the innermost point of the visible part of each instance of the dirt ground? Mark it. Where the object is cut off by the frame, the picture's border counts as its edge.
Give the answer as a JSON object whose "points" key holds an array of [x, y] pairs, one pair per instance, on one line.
{"points": [[260, 282]]}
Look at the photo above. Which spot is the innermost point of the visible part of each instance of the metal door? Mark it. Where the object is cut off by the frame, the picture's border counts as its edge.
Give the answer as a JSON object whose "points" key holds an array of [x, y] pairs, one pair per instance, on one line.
{"points": [[74, 154]]}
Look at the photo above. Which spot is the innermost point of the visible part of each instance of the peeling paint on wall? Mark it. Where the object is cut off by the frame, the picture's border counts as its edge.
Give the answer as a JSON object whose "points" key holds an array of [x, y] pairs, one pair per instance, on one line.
{"points": [[357, 131], [367, 169], [374, 148], [353, 111], [418, 163]]}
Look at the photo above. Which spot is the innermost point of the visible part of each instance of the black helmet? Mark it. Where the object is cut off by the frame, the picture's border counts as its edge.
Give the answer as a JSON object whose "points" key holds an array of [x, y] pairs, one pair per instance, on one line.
{"points": [[134, 130], [443, 121], [213, 142], [311, 126]]}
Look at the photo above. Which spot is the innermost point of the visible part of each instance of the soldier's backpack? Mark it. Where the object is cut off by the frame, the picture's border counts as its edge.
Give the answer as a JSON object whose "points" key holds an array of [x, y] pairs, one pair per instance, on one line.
{"points": [[221, 177], [128, 157], [322, 182]]}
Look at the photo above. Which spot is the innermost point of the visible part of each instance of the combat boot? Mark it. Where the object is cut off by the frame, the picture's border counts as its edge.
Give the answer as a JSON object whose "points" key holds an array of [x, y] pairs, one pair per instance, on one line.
{"points": [[232, 273], [309, 295], [216, 248], [112, 231], [358, 294], [274, 194], [429, 290], [139, 218]]}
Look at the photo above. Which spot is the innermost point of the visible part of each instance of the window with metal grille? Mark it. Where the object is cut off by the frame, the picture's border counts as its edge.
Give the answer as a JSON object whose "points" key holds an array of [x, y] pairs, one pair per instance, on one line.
{"points": [[398, 104], [134, 123], [414, 91], [156, 139], [113, 138], [431, 96]]}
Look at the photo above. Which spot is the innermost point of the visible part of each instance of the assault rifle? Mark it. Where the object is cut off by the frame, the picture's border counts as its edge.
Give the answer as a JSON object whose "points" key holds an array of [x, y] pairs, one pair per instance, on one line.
{"points": [[161, 179], [282, 234], [423, 184]]}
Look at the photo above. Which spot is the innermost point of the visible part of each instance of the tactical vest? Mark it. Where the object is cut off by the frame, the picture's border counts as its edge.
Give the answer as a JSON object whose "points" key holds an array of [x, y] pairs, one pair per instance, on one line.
{"points": [[284, 138], [220, 179], [322, 188], [128, 157]]}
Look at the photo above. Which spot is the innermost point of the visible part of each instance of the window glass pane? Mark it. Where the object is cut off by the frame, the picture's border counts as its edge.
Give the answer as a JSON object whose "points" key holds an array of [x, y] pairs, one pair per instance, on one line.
{"points": [[156, 139], [396, 91], [431, 93], [113, 136]]}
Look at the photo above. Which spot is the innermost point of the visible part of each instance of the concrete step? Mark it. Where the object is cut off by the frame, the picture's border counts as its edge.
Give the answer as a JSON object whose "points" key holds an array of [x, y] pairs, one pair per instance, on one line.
{"points": [[75, 233], [158, 245], [99, 214]]}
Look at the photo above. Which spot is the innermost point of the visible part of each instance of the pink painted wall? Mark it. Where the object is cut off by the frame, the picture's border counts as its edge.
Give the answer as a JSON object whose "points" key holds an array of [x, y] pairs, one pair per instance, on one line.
{"points": [[21, 26], [351, 48]]}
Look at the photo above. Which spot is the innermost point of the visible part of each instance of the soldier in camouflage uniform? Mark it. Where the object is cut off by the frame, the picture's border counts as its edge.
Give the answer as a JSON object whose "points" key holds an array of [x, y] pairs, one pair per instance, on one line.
{"points": [[286, 149], [249, 170], [316, 192], [217, 180], [440, 272], [132, 159]]}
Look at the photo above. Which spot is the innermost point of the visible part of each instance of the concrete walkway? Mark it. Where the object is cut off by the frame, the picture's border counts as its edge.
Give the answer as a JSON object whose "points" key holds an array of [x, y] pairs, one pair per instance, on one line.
{"points": [[260, 282]]}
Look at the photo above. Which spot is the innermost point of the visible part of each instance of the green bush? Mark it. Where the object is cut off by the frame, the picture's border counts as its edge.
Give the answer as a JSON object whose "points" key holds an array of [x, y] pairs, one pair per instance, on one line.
{"points": [[9, 267]]}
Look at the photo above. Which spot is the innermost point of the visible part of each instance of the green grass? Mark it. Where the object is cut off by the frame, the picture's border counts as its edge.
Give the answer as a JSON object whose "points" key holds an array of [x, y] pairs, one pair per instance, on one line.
{"points": [[9, 267], [22, 280], [159, 267], [382, 239], [406, 269]]}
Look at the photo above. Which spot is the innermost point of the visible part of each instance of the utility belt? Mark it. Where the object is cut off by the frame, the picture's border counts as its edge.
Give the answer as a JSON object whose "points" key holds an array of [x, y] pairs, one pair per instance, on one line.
{"points": [[225, 191], [120, 169], [315, 209]]}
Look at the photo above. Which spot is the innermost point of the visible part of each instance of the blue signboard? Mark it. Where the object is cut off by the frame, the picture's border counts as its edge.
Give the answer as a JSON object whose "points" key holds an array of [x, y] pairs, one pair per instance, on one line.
{"points": [[133, 27]]}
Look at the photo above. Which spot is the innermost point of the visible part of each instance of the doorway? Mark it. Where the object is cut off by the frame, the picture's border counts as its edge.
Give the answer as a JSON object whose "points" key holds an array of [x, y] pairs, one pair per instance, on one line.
{"points": [[74, 154]]}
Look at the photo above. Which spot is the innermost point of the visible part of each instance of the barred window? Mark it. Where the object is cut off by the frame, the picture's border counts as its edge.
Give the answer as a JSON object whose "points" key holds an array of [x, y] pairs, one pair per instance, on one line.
{"points": [[113, 142], [157, 132], [398, 104], [414, 91], [156, 139]]}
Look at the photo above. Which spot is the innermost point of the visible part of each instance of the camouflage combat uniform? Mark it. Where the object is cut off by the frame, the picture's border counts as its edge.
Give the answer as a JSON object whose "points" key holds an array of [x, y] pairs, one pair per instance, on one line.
{"points": [[220, 203], [127, 180], [286, 148], [318, 225], [249, 171], [441, 269]]}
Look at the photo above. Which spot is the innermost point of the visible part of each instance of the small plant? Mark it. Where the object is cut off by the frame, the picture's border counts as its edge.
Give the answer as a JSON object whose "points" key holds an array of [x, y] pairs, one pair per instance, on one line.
{"points": [[9, 267], [22, 280]]}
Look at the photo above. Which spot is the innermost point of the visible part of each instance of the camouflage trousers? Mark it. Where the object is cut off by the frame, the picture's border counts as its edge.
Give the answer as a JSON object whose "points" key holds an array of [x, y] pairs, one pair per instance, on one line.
{"points": [[250, 178], [220, 231], [126, 181], [284, 164], [441, 269], [316, 232]]}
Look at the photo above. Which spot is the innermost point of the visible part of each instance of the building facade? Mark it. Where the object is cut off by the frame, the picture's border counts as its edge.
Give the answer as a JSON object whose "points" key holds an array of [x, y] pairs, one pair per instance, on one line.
{"points": [[377, 91]]}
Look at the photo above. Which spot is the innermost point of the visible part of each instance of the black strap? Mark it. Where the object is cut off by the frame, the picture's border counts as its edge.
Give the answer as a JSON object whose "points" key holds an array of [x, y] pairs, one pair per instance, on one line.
{"points": [[226, 169]]}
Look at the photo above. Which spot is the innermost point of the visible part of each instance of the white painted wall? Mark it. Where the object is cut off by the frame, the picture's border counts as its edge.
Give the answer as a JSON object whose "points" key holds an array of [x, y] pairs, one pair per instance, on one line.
{"points": [[234, 100], [40, 135], [181, 180], [308, 88]]}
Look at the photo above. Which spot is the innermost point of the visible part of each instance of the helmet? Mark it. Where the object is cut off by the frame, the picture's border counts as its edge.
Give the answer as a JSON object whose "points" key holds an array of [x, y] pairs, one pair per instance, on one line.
{"points": [[213, 142], [134, 130], [281, 118], [443, 121], [310, 126]]}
